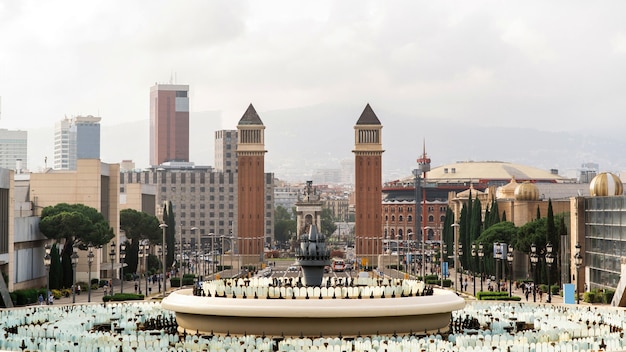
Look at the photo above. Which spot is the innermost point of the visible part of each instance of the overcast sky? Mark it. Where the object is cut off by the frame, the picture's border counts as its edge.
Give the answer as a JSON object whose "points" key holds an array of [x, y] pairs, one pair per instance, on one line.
{"points": [[551, 65]]}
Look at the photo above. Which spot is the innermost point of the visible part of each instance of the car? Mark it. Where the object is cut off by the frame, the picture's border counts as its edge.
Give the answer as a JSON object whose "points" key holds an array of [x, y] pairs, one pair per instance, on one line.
{"points": [[292, 268]]}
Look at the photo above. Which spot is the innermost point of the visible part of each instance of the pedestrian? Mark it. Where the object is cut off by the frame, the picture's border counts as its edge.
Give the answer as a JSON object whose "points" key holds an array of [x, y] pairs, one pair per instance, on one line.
{"points": [[40, 299], [50, 299], [78, 290]]}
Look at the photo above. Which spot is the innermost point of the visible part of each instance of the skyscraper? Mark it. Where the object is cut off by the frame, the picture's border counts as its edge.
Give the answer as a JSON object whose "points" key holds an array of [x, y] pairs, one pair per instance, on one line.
{"points": [[13, 149], [226, 151], [76, 138], [169, 123]]}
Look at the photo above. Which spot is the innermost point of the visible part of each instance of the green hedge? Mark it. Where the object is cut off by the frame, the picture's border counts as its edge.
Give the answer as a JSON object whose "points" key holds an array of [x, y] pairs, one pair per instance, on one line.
{"points": [[123, 297], [188, 279], [599, 296], [446, 282], [496, 296]]}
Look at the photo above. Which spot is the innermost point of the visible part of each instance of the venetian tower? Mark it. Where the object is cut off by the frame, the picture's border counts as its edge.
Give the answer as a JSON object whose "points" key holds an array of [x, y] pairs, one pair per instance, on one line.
{"points": [[250, 186], [368, 151]]}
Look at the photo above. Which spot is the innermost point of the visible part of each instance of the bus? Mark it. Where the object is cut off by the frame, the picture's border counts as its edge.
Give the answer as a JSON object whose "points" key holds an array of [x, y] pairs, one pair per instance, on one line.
{"points": [[338, 265]]}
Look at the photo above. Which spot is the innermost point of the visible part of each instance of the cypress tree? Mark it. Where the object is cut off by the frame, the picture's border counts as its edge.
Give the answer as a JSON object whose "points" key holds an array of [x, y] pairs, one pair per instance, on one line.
{"points": [[56, 270], [538, 213]]}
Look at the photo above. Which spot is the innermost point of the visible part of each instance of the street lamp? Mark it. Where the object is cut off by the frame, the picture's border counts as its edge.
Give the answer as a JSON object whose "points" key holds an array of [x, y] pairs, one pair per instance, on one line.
{"points": [[145, 247], [460, 253], [455, 226], [47, 259], [164, 227], [122, 257], [90, 256], [74, 258], [112, 257], [509, 258], [474, 258], [549, 261], [578, 261], [498, 256], [534, 259], [481, 254], [196, 249]]}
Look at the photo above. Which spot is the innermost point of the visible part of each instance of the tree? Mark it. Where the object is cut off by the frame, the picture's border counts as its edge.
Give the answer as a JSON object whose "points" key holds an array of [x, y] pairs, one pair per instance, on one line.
{"points": [[501, 232], [138, 226], [327, 222], [74, 225], [170, 233], [56, 270]]}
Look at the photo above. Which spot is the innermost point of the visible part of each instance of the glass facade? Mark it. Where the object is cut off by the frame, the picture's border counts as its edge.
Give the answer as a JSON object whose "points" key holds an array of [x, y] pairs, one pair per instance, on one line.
{"points": [[605, 239]]}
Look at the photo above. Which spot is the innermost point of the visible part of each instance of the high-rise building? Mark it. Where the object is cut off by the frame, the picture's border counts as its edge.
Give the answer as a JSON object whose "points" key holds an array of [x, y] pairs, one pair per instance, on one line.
{"points": [[169, 123], [368, 151], [251, 183], [226, 151], [76, 138], [13, 149]]}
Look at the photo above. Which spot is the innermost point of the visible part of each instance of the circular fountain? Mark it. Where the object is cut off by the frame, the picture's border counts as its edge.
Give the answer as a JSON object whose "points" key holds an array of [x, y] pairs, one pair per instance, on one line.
{"points": [[361, 306], [313, 305]]}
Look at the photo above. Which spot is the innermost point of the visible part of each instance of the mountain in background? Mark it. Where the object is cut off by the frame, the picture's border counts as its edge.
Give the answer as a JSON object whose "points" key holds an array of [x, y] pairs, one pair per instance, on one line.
{"points": [[302, 140]]}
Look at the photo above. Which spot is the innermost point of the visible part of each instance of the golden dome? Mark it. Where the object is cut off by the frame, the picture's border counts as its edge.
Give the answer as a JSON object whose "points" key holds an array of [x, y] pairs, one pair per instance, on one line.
{"points": [[606, 184], [527, 191], [507, 191]]}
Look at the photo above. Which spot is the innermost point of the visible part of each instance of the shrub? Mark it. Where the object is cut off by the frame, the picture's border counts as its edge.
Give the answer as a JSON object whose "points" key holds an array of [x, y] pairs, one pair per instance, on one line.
{"points": [[175, 281], [600, 296], [123, 297]]}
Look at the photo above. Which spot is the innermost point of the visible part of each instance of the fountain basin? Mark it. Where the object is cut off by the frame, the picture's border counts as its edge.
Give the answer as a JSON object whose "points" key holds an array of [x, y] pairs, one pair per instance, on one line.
{"points": [[313, 317]]}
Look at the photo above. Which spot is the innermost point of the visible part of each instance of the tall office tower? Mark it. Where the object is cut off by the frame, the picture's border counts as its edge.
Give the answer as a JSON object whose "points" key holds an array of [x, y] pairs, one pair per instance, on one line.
{"points": [[169, 123], [368, 151], [250, 183], [76, 138], [226, 151], [13, 149]]}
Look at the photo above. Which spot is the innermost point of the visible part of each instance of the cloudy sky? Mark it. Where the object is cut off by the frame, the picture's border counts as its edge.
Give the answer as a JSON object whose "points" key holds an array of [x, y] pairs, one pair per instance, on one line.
{"points": [[553, 65]]}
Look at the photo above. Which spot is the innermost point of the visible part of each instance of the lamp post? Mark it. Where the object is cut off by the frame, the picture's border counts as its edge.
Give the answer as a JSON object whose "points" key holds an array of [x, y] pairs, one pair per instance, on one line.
{"points": [[549, 261], [196, 249], [481, 254], [90, 256], [474, 258], [455, 226], [163, 227], [498, 256], [74, 258], [122, 257], [509, 258], [145, 247], [578, 261], [47, 259], [534, 258], [460, 253], [112, 257]]}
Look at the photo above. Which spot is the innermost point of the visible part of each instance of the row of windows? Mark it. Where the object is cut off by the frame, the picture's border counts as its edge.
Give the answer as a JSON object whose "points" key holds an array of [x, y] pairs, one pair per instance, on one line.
{"points": [[177, 177], [430, 209], [409, 218]]}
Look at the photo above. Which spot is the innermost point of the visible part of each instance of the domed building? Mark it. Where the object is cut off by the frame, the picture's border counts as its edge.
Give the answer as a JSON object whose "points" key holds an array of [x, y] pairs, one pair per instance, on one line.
{"points": [[451, 185], [606, 184]]}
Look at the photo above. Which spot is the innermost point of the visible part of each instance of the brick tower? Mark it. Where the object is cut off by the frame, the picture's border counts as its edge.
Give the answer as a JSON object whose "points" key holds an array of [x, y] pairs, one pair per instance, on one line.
{"points": [[368, 151], [250, 186]]}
